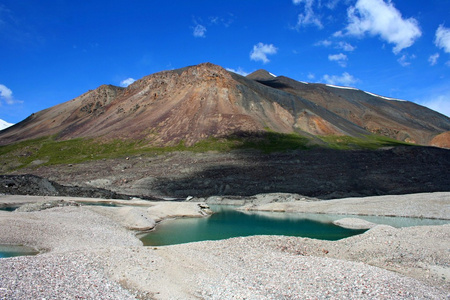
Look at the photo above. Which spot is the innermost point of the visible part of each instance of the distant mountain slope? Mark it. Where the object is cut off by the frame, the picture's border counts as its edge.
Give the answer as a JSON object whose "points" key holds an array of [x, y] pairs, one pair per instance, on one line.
{"points": [[4, 124], [197, 102], [398, 119]]}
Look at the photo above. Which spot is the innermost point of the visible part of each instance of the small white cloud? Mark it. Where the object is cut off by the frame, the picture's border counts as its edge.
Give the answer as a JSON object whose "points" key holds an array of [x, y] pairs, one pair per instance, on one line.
{"points": [[340, 58], [214, 20], [404, 60], [260, 52], [325, 43], [345, 46], [311, 76], [225, 21], [199, 31], [332, 4], [433, 59], [239, 71], [127, 82], [345, 79], [338, 34], [443, 38], [6, 95], [377, 17], [308, 17]]}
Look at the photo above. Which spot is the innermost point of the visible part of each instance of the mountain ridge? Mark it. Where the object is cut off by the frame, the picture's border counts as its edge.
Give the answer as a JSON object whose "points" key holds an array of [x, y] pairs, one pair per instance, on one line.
{"points": [[399, 119], [196, 102]]}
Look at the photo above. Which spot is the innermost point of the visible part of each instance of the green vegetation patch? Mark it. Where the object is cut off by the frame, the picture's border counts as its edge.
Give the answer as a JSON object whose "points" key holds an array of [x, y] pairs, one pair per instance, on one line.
{"points": [[49, 151], [369, 142]]}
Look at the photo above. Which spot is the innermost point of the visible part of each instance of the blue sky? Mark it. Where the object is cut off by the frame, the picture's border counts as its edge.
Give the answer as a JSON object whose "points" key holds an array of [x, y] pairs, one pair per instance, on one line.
{"points": [[52, 51]]}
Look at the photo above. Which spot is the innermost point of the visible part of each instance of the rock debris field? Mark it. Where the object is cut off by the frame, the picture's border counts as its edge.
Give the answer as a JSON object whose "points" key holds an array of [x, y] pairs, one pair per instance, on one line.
{"points": [[90, 252]]}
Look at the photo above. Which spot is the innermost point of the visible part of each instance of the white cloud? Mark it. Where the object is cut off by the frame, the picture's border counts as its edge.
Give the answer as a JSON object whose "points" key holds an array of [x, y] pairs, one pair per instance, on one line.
{"points": [[308, 17], [337, 45], [199, 31], [6, 95], [404, 60], [225, 21], [325, 43], [260, 52], [345, 79], [340, 58], [345, 46], [443, 38], [338, 34], [433, 59], [332, 4], [239, 71], [311, 76], [127, 82], [377, 17]]}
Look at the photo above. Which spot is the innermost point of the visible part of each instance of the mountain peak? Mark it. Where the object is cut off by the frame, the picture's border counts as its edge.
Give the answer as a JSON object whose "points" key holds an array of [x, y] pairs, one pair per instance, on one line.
{"points": [[262, 75]]}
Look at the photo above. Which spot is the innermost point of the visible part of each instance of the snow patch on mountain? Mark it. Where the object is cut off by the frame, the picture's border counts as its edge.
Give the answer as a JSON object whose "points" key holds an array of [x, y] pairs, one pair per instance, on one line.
{"points": [[386, 98], [341, 87], [4, 124]]}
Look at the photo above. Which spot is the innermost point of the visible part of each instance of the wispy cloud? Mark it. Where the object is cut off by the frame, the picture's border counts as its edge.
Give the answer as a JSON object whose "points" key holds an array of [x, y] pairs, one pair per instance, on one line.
{"points": [[377, 17], [226, 21], [199, 31], [341, 45], [6, 95], [340, 58], [332, 4], [308, 17], [239, 71], [433, 59], [260, 52], [325, 43], [345, 79], [127, 82], [443, 38], [345, 46], [404, 60]]}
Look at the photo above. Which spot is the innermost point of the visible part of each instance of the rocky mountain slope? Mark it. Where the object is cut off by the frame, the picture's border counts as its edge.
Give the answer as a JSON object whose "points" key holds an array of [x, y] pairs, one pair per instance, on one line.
{"points": [[193, 103], [394, 118]]}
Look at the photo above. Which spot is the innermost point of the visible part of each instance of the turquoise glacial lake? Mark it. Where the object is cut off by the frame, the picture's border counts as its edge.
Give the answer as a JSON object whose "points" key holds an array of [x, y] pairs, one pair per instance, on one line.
{"points": [[227, 223]]}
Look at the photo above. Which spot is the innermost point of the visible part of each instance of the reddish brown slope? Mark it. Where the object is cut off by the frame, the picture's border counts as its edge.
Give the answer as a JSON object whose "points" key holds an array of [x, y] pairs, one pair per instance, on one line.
{"points": [[187, 104]]}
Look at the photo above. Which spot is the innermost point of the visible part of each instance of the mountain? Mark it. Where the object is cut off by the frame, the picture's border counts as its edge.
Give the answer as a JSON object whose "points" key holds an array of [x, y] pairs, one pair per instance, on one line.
{"points": [[193, 103], [394, 118], [4, 124]]}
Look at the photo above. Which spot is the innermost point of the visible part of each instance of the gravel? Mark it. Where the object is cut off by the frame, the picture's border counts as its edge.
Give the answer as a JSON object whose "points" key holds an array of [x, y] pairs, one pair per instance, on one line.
{"points": [[56, 276], [90, 256], [266, 274]]}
